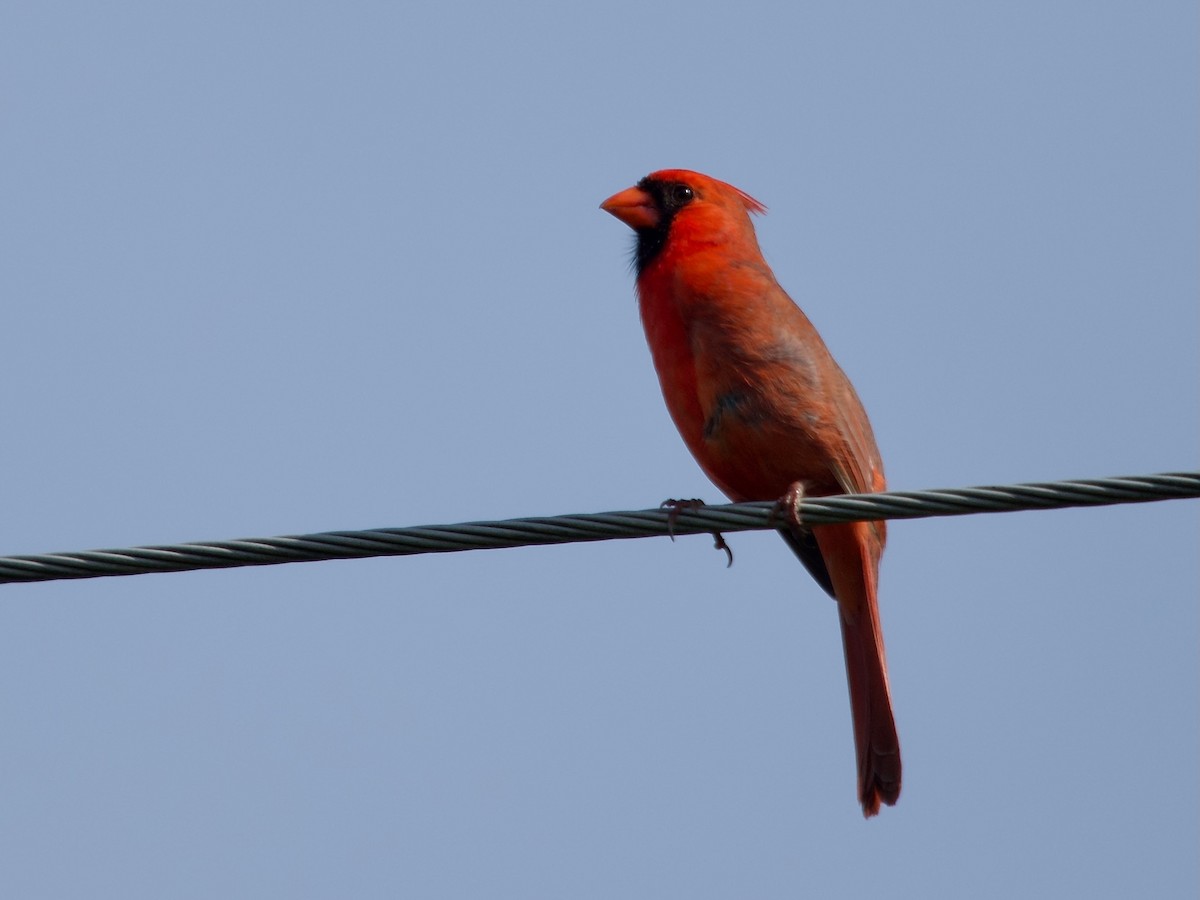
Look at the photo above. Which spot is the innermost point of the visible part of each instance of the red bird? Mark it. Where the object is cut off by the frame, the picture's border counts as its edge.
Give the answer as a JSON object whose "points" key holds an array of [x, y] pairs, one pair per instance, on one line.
{"points": [[766, 412]]}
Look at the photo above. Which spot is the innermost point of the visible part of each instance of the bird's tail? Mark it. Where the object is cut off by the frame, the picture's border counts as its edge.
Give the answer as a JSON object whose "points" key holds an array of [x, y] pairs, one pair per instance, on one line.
{"points": [[851, 553]]}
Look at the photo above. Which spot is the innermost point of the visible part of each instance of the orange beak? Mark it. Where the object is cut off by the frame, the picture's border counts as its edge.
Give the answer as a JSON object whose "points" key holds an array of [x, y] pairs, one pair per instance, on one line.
{"points": [[634, 207]]}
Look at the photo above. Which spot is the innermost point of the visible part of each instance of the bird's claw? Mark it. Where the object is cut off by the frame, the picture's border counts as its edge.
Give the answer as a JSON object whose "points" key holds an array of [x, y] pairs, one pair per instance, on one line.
{"points": [[674, 507], [719, 544]]}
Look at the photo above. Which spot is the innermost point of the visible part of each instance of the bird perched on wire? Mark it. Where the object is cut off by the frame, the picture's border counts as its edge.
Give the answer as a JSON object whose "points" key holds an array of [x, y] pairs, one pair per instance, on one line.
{"points": [[766, 412]]}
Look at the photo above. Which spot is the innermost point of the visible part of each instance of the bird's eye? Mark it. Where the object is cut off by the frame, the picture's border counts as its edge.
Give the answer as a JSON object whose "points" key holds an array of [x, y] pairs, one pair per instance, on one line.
{"points": [[680, 195]]}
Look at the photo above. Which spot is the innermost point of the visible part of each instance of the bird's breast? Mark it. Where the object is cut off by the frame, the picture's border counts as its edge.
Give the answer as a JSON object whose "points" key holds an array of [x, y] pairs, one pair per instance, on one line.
{"points": [[745, 397]]}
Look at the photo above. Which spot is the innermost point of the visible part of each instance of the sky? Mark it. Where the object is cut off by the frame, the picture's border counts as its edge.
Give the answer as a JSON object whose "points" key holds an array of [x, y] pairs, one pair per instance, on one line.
{"points": [[275, 268]]}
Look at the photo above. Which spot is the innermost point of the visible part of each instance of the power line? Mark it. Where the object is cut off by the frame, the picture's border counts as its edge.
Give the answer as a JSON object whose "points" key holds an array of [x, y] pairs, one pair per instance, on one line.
{"points": [[593, 527]]}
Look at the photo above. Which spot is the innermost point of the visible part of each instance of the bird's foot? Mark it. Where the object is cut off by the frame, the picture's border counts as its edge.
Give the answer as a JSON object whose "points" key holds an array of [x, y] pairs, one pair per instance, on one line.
{"points": [[674, 507], [787, 507]]}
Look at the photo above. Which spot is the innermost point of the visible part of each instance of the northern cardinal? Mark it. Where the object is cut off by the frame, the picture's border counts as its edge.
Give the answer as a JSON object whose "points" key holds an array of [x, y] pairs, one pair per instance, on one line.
{"points": [[766, 412]]}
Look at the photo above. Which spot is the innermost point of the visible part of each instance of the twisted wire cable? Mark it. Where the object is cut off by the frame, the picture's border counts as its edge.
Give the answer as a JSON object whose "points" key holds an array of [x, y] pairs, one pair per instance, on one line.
{"points": [[594, 527]]}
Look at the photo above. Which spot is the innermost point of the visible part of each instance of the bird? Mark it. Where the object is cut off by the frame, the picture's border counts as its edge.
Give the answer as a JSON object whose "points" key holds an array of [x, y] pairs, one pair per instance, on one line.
{"points": [[767, 413]]}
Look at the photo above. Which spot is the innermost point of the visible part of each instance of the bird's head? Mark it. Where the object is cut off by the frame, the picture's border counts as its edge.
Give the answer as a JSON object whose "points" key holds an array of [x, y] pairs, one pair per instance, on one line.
{"points": [[681, 207]]}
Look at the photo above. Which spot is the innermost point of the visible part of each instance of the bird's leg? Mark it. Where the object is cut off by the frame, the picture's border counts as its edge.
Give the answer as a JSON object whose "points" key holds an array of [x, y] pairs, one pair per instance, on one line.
{"points": [[674, 507]]}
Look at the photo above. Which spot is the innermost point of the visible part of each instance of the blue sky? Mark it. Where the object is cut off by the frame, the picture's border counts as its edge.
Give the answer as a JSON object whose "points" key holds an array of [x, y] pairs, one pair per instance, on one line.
{"points": [[276, 268]]}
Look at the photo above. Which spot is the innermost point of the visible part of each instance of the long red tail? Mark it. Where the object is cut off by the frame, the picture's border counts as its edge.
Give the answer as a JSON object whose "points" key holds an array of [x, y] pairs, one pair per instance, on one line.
{"points": [[851, 554]]}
